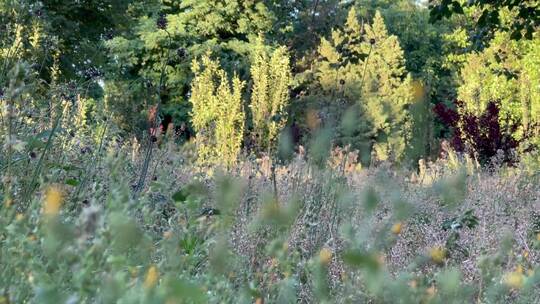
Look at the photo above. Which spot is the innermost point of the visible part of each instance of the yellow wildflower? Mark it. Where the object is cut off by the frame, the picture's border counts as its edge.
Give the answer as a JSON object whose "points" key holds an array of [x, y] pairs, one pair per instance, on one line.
{"points": [[396, 228], [437, 254], [19, 217], [513, 279], [538, 236], [152, 277], [53, 201], [325, 255]]}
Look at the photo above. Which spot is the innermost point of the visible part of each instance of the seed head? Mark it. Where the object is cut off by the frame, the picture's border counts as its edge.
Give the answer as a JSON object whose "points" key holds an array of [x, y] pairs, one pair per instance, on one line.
{"points": [[53, 201], [152, 277], [161, 22], [325, 255], [181, 53]]}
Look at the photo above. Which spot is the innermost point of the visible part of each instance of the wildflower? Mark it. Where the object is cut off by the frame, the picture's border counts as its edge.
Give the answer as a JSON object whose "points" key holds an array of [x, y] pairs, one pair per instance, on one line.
{"points": [[19, 217], [437, 254], [152, 277], [514, 279], [53, 201], [396, 228], [325, 255], [538, 236]]}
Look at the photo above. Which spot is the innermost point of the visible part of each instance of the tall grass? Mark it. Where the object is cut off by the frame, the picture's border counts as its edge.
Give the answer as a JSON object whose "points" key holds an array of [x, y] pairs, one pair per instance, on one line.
{"points": [[78, 226]]}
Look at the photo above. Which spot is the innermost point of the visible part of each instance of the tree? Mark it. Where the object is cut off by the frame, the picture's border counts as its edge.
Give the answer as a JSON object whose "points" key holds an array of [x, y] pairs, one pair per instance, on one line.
{"points": [[216, 114], [364, 64], [506, 73], [387, 91], [300, 23], [188, 29], [271, 77], [526, 15]]}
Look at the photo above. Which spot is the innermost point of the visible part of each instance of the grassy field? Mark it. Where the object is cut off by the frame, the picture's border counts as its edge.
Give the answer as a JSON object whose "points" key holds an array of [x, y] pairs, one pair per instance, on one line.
{"points": [[262, 232]]}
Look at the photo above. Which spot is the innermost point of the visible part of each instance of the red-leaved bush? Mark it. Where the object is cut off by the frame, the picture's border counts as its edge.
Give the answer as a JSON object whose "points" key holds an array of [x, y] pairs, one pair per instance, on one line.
{"points": [[480, 135]]}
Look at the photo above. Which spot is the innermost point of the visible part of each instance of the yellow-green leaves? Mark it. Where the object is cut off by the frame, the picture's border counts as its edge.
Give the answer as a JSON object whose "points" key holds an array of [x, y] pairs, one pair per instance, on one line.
{"points": [[272, 77], [217, 114]]}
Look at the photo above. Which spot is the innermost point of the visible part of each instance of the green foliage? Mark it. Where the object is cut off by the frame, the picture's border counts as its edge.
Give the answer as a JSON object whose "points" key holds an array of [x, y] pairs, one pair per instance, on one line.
{"points": [[503, 73], [191, 28], [387, 92], [89, 213], [217, 114], [526, 12], [364, 64], [271, 77]]}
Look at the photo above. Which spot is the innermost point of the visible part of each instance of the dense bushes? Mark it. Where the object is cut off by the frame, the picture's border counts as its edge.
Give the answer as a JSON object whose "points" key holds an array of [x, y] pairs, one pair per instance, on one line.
{"points": [[481, 136], [218, 114]]}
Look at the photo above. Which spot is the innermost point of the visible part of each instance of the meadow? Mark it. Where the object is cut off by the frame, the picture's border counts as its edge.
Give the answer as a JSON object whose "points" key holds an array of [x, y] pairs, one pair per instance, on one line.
{"points": [[450, 232], [269, 151]]}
